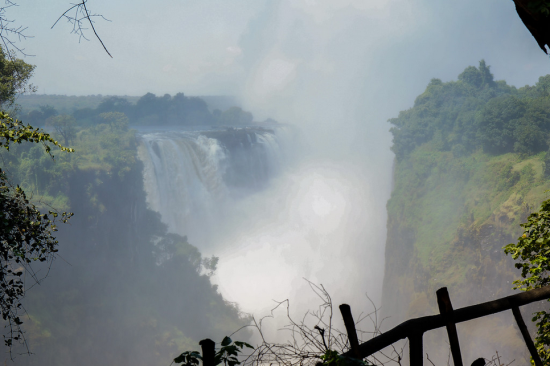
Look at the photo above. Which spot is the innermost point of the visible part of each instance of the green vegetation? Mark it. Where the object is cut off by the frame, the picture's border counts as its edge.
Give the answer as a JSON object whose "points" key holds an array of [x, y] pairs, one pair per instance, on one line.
{"points": [[226, 355], [64, 104], [148, 110], [14, 76], [64, 125], [470, 167], [124, 281], [532, 253], [26, 234], [476, 112]]}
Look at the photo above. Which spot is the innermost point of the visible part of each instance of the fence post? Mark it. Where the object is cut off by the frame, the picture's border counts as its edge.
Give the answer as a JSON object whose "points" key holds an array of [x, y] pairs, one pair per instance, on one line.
{"points": [[350, 329], [416, 351], [208, 352], [446, 310], [525, 333]]}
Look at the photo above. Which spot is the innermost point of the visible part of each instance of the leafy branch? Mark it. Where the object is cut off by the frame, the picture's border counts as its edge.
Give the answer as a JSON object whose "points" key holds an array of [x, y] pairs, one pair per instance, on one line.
{"points": [[532, 256], [227, 355], [14, 131]]}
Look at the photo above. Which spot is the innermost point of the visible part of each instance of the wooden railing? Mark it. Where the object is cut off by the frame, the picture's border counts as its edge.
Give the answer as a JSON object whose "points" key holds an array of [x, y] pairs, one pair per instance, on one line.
{"points": [[414, 329]]}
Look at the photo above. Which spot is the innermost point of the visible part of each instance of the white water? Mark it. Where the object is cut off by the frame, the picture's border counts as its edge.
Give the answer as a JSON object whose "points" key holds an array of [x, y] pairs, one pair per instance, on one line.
{"points": [[193, 180], [273, 218]]}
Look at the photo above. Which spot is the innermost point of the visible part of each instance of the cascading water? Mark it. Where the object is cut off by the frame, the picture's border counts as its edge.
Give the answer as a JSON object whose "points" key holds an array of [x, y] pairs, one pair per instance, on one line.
{"points": [[271, 209], [192, 178]]}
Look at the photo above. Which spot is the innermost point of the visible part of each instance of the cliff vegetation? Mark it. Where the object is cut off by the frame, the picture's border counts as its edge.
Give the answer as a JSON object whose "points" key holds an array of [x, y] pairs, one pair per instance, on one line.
{"points": [[471, 165]]}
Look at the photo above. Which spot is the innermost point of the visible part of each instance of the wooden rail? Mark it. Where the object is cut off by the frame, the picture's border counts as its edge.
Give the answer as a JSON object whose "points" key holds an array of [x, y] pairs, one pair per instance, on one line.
{"points": [[415, 328]]}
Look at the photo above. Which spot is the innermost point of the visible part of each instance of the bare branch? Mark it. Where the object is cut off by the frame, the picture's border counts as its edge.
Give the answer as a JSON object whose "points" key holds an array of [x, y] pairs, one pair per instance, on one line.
{"points": [[312, 337], [78, 16]]}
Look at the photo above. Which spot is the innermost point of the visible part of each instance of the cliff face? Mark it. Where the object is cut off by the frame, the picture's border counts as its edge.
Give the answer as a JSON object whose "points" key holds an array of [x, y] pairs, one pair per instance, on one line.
{"points": [[471, 164], [449, 218]]}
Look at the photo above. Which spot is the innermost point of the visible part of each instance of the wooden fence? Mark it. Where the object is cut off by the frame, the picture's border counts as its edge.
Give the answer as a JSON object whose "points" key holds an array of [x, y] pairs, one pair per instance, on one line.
{"points": [[414, 329]]}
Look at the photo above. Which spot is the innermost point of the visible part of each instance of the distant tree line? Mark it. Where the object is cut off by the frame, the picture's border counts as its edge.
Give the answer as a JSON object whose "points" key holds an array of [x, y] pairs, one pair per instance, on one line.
{"points": [[476, 112], [149, 110]]}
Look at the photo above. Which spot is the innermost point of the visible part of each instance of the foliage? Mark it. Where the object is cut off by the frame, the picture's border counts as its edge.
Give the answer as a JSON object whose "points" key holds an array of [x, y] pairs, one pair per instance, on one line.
{"points": [[188, 358], [65, 104], [532, 256], [235, 116], [476, 112], [14, 77], [166, 110], [472, 162], [14, 131], [64, 125], [26, 236], [115, 120], [129, 283], [38, 117], [227, 354]]}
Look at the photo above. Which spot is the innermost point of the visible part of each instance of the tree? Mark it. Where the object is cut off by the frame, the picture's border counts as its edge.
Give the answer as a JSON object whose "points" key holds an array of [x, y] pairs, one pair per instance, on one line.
{"points": [[116, 120], [114, 104], [39, 117], [236, 116], [64, 125], [14, 77], [26, 235], [532, 256]]}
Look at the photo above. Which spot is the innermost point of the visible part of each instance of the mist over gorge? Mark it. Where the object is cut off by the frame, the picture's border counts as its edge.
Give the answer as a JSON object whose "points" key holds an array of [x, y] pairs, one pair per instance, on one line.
{"points": [[246, 194]]}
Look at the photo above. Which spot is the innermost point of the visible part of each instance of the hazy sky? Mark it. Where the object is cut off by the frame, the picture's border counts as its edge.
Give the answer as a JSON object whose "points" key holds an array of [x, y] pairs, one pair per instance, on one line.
{"points": [[210, 47]]}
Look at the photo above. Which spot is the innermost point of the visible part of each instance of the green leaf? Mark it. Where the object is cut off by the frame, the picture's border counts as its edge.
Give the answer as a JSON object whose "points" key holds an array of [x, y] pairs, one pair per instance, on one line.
{"points": [[226, 341]]}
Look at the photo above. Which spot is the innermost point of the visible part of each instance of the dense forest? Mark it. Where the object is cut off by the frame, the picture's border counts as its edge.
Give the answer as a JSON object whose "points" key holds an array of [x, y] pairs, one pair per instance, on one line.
{"points": [[148, 110], [121, 279], [476, 112], [471, 163]]}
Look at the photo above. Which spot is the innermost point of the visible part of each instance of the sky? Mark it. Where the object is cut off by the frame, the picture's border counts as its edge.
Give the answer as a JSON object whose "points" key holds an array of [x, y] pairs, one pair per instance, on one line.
{"points": [[208, 47]]}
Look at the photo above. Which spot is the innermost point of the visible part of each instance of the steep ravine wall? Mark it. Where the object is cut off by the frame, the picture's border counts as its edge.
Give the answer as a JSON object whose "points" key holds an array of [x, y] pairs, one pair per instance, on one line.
{"points": [[448, 219]]}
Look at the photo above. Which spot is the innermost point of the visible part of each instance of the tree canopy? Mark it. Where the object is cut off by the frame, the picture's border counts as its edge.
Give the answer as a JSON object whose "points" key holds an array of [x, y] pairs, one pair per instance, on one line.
{"points": [[148, 110], [476, 112], [14, 78]]}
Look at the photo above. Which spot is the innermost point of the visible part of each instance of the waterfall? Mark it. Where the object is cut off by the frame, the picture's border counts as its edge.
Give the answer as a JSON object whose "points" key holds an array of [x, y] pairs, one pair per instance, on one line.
{"points": [[192, 178], [272, 209]]}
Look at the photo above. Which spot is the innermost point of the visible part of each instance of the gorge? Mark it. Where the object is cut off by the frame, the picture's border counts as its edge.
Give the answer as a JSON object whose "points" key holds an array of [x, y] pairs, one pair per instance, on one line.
{"points": [[249, 193]]}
